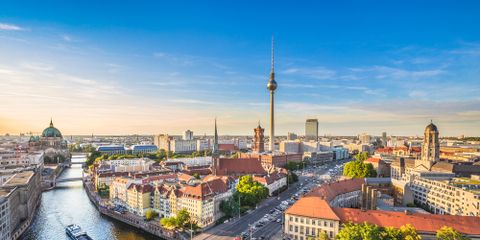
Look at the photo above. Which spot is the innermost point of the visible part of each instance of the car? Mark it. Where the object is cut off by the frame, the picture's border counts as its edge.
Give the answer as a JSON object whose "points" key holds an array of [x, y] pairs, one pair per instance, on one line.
{"points": [[278, 220], [226, 221], [272, 211]]}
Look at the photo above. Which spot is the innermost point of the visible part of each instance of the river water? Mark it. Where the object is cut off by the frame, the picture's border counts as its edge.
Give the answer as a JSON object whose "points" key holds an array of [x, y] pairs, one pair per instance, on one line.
{"points": [[68, 204]]}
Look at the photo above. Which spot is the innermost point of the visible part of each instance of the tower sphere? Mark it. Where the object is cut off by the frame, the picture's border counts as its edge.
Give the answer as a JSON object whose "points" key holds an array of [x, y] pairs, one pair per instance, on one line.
{"points": [[272, 85]]}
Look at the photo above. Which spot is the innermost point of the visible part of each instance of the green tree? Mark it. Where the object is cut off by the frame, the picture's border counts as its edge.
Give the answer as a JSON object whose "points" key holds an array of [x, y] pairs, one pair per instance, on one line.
{"points": [[449, 233], [150, 214], [292, 178], [362, 231], [323, 236], [409, 232], [230, 207], [391, 233], [251, 192], [183, 217], [169, 223], [359, 169]]}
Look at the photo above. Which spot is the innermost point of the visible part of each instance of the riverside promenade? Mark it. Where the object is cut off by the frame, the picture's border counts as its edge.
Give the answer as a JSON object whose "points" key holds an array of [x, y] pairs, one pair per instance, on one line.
{"points": [[152, 227]]}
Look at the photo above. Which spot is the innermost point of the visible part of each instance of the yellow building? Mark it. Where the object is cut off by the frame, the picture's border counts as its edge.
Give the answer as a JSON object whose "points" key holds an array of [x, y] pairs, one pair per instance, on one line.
{"points": [[138, 198]]}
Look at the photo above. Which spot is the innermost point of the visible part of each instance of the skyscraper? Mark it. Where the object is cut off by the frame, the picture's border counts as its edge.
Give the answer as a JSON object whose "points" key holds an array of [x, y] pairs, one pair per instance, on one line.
{"points": [[311, 129], [272, 86], [188, 135]]}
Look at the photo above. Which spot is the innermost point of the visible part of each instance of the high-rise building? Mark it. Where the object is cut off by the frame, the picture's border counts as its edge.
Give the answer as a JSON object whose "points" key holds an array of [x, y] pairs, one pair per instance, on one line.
{"points": [[291, 136], [311, 129], [365, 138], [162, 141], [384, 138], [188, 135], [272, 86], [259, 142]]}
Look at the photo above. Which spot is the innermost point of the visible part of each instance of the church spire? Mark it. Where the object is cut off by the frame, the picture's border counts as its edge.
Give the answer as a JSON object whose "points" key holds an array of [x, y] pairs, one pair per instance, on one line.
{"points": [[51, 122], [215, 139]]}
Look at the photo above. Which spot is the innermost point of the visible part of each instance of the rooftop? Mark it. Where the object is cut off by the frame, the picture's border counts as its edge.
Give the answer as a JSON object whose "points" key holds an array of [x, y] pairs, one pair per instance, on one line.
{"points": [[20, 178]]}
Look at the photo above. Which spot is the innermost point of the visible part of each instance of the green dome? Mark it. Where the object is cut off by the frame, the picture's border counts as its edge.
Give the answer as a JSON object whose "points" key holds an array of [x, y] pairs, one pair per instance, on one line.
{"points": [[51, 131]]}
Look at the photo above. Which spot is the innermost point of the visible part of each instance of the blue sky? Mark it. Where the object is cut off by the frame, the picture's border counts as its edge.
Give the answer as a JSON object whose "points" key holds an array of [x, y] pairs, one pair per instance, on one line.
{"points": [[149, 67]]}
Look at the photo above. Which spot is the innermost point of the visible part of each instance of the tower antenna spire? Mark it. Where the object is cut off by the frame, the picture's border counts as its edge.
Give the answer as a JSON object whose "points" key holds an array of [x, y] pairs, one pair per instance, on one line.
{"points": [[273, 54]]}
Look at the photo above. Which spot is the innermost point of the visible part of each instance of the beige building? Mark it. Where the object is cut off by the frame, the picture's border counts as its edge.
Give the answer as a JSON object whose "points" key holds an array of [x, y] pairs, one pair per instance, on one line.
{"points": [[450, 196]]}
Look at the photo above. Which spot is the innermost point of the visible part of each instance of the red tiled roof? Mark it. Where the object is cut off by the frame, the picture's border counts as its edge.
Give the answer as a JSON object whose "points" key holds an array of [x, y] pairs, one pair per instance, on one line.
{"points": [[373, 160], [331, 190], [226, 147], [205, 189], [229, 166], [312, 206], [143, 188], [422, 222], [269, 179]]}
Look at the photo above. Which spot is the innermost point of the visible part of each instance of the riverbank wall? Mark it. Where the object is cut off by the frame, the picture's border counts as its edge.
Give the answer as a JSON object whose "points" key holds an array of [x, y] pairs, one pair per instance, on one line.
{"points": [[135, 221]]}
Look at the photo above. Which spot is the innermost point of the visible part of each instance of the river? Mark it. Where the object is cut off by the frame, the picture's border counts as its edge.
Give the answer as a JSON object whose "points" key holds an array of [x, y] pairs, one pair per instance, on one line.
{"points": [[67, 204]]}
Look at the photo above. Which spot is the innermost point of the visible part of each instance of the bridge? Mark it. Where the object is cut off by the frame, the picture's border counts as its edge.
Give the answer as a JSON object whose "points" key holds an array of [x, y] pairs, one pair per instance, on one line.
{"points": [[79, 163], [68, 179]]}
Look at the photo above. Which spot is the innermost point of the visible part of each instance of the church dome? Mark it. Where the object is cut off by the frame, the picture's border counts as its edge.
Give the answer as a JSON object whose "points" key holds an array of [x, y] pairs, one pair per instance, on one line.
{"points": [[51, 131], [431, 128]]}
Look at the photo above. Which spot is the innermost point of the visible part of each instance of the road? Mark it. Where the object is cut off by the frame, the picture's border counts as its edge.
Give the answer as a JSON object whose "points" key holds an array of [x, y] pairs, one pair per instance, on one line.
{"points": [[272, 229]]}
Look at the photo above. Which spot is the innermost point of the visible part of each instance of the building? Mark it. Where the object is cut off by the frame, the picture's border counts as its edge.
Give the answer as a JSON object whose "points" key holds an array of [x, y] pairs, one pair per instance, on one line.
{"points": [[433, 182], [381, 167], [384, 138], [290, 146], [112, 149], [365, 138], [340, 153], [183, 146], [327, 208], [187, 135], [311, 129], [291, 136], [21, 193], [144, 149], [51, 138], [162, 141], [258, 140], [320, 157], [457, 196], [274, 182], [203, 144]]}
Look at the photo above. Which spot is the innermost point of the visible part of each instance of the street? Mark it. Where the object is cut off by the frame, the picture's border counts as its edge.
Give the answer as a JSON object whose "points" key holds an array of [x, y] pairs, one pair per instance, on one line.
{"points": [[308, 178]]}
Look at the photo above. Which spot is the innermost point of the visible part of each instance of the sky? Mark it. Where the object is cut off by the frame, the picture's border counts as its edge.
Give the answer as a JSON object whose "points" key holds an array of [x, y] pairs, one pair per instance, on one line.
{"points": [[149, 67]]}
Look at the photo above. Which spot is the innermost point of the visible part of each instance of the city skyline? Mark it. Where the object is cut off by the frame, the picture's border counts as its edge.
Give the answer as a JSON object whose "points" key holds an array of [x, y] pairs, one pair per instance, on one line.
{"points": [[391, 69]]}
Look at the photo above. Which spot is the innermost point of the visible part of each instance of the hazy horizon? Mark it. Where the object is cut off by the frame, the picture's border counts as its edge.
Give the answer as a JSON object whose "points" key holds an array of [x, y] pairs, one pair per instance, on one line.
{"points": [[165, 67]]}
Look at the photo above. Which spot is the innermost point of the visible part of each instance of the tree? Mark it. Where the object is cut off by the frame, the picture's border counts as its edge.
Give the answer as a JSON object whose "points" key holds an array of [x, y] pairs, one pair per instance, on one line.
{"points": [[292, 178], [251, 192], [409, 232], [359, 169], [150, 214], [449, 233], [366, 231], [362, 156], [196, 176], [230, 207], [168, 223], [183, 217], [323, 236]]}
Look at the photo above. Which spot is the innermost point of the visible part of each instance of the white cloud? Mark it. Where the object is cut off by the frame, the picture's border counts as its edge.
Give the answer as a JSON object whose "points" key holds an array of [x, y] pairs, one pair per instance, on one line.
{"points": [[313, 72], [10, 27]]}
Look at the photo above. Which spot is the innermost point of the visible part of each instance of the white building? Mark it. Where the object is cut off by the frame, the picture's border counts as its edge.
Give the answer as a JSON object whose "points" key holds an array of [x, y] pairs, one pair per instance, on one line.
{"points": [[188, 135], [183, 146], [203, 144], [290, 147]]}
